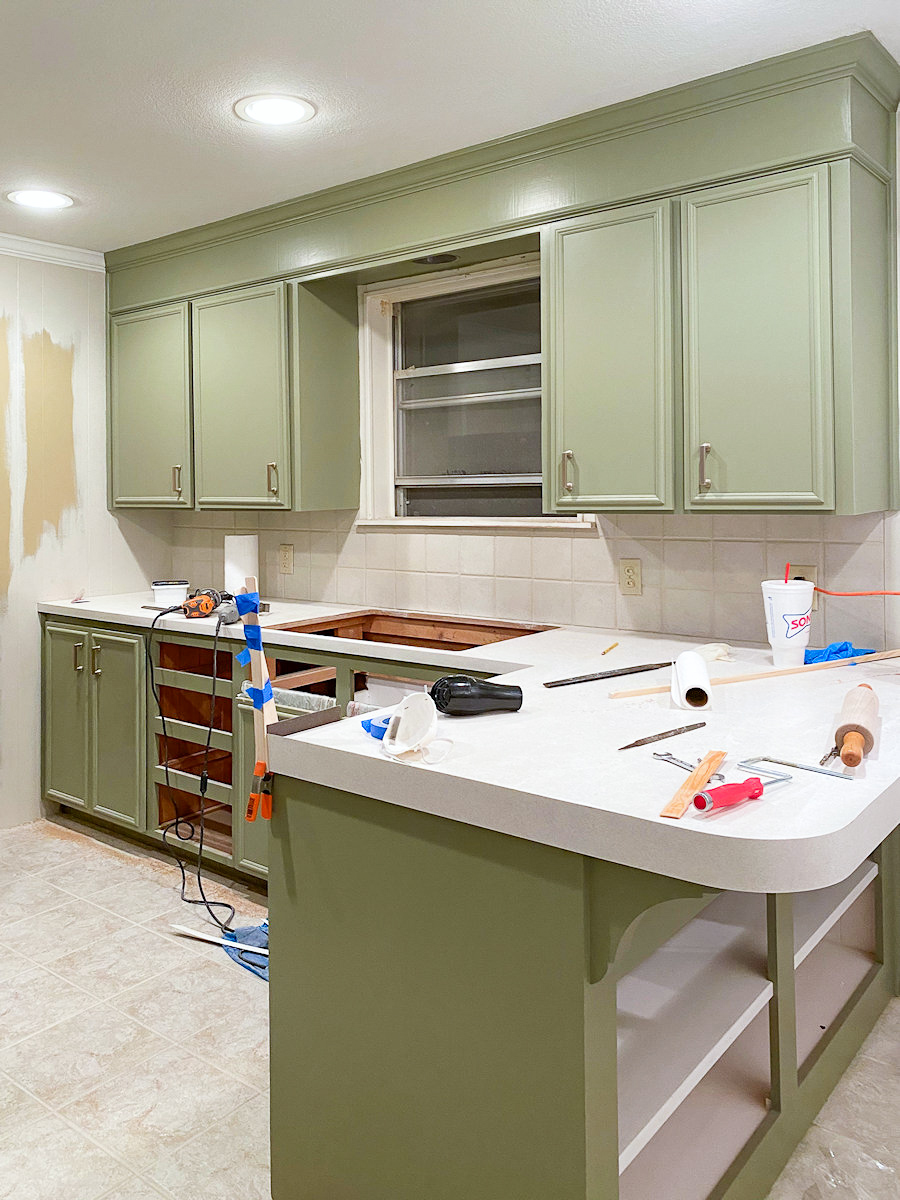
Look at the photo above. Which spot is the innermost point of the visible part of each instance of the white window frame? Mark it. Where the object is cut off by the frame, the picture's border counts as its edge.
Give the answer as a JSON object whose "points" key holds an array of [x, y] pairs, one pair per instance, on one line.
{"points": [[376, 385]]}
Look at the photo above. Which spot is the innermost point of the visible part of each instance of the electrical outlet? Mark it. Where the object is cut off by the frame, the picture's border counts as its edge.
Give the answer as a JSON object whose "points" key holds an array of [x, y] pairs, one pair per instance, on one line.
{"points": [[286, 559], [799, 571], [630, 576]]}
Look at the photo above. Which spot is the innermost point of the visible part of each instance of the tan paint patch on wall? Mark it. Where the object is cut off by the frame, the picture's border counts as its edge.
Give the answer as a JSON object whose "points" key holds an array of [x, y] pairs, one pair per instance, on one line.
{"points": [[5, 495], [50, 450]]}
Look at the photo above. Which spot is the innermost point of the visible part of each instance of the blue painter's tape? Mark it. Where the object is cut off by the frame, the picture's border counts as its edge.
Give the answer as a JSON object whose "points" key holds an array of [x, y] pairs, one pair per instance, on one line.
{"points": [[243, 658], [253, 636], [247, 603], [259, 696]]}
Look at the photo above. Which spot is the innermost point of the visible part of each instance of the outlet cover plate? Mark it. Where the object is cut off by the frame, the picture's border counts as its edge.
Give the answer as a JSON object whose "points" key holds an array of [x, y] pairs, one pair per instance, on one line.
{"points": [[286, 558], [630, 577], [803, 571]]}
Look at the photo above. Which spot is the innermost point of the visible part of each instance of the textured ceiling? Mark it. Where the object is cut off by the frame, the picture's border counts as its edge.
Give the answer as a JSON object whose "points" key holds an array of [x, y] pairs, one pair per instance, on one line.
{"points": [[126, 104]]}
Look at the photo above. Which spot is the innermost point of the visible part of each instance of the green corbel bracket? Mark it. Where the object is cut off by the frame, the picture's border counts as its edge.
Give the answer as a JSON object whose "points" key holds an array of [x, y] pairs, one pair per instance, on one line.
{"points": [[631, 913]]}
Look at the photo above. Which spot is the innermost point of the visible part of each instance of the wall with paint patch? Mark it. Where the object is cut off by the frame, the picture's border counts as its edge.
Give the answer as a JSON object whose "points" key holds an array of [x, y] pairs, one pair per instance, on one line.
{"points": [[56, 536]]}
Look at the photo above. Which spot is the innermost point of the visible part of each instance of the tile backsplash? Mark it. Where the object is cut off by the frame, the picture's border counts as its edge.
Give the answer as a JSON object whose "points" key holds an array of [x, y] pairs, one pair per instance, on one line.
{"points": [[701, 573]]}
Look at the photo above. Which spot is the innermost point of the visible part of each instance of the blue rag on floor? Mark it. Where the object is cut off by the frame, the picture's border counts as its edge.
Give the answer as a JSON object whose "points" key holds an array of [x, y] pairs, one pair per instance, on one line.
{"points": [[834, 651], [253, 935]]}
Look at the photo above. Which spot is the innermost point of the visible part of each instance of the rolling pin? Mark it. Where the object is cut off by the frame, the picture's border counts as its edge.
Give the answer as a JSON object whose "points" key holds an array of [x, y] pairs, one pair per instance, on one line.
{"points": [[855, 734]]}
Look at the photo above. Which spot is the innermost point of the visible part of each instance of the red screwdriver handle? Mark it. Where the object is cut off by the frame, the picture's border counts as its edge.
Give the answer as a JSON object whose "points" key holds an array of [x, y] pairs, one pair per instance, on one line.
{"points": [[729, 794]]}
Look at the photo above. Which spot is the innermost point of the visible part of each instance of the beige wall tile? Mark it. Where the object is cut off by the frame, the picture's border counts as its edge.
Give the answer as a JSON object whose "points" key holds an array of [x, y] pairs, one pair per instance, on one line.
{"points": [[513, 598], [687, 612], [738, 566], [552, 601], [687, 564], [442, 553], [551, 557], [512, 556], [594, 605], [593, 559], [643, 613], [476, 554], [380, 588], [443, 593]]}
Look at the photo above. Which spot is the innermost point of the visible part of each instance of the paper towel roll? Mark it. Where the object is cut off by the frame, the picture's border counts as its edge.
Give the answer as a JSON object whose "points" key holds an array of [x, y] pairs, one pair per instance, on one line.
{"points": [[690, 681], [241, 560]]}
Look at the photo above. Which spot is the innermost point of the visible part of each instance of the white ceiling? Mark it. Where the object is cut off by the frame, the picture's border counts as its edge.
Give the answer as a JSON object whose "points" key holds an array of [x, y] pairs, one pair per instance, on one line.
{"points": [[126, 104]]}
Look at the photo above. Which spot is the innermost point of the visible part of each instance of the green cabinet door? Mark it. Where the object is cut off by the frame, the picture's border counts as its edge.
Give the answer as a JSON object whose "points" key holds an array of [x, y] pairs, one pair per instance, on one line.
{"points": [[241, 412], [66, 654], [606, 284], [757, 344], [151, 453], [118, 727]]}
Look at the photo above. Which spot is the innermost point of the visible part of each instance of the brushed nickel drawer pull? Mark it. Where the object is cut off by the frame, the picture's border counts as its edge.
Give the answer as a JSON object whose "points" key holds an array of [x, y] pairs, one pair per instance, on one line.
{"points": [[176, 480], [77, 664], [272, 477], [96, 669], [568, 456], [705, 483]]}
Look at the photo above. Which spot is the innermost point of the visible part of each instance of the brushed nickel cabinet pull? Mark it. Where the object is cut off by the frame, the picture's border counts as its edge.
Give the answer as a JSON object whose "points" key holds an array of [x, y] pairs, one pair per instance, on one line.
{"points": [[568, 456], [77, 664], [176, 480], [705, 483], [96, 669], [272, 477]]}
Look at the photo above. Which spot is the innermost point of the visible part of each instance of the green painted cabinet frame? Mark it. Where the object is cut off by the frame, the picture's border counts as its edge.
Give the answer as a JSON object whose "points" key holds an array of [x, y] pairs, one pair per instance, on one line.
{"points": [[756, 319], [609, 382], [443, 1017], [95, 721], [241, 398], [151, 425]]}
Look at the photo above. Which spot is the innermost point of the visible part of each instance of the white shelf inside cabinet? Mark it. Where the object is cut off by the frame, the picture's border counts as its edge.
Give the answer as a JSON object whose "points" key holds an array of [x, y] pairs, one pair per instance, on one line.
{"points": [[681, 1009]]}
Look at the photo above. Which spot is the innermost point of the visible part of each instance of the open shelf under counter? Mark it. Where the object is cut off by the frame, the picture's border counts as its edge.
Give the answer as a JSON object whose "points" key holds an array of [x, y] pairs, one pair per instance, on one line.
{"points": [[710, 1128], [682, 1008]]}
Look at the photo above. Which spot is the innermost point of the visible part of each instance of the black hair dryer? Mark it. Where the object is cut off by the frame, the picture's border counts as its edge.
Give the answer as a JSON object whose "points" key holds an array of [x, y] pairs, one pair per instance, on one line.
{"points": [[463, 696]]}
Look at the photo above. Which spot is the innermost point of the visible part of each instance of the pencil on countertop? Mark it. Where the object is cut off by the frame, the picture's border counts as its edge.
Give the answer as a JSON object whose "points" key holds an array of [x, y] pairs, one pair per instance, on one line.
{"points": [[608, 648]]}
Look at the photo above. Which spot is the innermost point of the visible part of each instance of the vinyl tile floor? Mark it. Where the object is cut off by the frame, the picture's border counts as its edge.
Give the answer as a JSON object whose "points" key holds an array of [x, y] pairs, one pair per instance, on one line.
{"points": [[134, 1064]]}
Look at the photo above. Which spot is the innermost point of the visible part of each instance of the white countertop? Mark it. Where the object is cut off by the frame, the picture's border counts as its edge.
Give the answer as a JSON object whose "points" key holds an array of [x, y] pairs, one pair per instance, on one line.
{"points": [[553, 772], [131, 609]]}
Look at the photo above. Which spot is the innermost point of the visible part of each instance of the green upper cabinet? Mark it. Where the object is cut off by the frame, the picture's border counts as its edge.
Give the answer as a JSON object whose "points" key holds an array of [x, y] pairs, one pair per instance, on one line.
{"points": [[241, 398], [150, 409], [756, 320], [118, 727], [609, 374]]}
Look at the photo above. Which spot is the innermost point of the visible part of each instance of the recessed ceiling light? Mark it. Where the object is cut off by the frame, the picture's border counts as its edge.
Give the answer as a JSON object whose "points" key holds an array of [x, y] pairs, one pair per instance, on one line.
{"points": [[274, 110], [38, 198]]}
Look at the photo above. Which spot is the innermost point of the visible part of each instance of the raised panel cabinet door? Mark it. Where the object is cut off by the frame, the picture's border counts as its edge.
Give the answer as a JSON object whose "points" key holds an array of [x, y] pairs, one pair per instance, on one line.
{"points": [[757, 344], [606, 293], [65, 724], [118, 727], [241, 405], [150, 409]]}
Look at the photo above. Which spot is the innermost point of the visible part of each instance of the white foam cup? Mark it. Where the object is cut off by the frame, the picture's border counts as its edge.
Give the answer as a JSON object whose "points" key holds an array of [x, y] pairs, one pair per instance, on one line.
{"points": [[788, 614]]}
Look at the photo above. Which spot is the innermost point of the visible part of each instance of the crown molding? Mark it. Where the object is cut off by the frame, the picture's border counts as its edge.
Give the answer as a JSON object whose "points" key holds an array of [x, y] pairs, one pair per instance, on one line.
{"points": [[859, 56], [51, 252]]}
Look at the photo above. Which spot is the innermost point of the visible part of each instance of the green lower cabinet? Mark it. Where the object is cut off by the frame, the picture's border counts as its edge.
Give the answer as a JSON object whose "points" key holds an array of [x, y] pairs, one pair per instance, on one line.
{"points": [[95, 721], [757, 313], [66, 713], [118, 723]]}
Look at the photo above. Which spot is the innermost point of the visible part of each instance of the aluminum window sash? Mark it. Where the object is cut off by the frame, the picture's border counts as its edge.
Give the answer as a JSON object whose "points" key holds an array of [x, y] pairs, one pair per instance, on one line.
{"points": [[432, 481], [471, 398], [456, 368]]}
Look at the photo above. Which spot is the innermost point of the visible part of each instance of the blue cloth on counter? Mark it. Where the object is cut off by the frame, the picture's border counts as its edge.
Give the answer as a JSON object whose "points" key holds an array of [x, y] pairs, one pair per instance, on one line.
{"points": [[834, 651], [253, 935]]}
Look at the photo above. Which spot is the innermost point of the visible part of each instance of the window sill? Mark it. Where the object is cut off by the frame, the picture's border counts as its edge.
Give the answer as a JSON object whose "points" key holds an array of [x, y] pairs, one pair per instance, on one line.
{"points": [[565, 525]]}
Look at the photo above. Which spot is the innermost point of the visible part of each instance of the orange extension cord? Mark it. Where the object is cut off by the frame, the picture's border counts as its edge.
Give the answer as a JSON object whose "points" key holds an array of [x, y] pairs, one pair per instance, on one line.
{"points": [[825, 592]]}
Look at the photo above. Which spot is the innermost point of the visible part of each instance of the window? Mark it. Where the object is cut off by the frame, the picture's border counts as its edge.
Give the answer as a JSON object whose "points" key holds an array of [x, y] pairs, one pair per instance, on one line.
{"points": [[452, 396]]}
